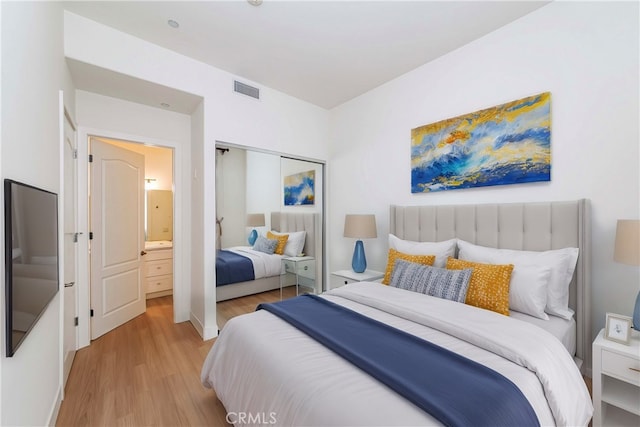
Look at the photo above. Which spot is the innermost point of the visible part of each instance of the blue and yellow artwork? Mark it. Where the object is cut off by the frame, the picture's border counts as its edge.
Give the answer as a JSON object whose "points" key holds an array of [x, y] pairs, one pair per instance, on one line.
{"points": [[299, 188], [505, 144]]}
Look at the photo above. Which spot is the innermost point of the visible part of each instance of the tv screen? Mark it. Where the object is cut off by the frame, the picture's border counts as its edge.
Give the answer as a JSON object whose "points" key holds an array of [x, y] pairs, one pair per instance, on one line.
{"points": [[31, 257]]}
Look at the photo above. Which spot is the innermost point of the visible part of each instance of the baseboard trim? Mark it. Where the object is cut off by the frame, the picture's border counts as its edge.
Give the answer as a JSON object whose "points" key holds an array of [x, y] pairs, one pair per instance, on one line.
{"points": [[205, 333], [196, 324], [53, 416]]}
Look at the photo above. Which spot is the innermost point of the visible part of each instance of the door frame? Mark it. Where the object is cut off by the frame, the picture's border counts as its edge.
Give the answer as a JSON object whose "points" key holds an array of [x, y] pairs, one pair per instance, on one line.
{"points": [[181, 237], [66, 366]]}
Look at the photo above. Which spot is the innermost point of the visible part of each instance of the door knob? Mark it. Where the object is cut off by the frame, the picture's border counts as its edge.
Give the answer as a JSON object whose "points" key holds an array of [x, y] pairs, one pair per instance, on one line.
{"points": [[142, 253]]}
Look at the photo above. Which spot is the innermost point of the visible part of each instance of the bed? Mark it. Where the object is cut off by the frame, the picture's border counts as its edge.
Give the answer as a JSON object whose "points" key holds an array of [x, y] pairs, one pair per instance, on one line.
{"points": [[267, 267], [262, 365]]}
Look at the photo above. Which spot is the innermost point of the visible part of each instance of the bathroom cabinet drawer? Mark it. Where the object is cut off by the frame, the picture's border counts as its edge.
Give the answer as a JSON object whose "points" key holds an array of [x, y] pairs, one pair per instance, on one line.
{"points": [[154, 255], [158, 268], [159, 283]]}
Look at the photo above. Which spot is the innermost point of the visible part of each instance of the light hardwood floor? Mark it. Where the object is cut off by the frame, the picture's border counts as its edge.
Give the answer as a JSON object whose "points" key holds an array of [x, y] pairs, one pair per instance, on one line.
{"points": [[147, 371]]}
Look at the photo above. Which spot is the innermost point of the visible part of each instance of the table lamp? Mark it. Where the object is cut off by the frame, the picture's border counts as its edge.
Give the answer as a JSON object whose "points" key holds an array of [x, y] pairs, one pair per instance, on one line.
{"points": [[360, 227], [627, 251], [254, 220]]}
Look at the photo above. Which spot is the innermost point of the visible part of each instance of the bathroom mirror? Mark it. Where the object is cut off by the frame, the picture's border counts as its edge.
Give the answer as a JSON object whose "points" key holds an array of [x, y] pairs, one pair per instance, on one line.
{"points": [[159, 215]]}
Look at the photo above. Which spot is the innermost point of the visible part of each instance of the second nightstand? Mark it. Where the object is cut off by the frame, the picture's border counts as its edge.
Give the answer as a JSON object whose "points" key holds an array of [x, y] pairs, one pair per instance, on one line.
{"points": [[616, 382], [344, 277]]}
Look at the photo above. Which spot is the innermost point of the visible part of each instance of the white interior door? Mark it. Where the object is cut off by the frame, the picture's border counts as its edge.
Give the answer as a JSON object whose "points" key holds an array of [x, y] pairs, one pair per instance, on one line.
{"points": [[117, 224], [70, 247]]}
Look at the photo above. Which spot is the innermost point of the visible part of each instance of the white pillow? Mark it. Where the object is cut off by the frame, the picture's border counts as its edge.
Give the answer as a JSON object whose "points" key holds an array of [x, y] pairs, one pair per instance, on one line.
{"points": [[442, 250], [295, 242], [561, 262], [528, 289]]}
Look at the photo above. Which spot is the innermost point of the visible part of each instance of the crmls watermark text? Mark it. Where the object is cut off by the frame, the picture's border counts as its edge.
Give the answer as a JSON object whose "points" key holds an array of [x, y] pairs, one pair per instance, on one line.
{"points": [[251, 418]]}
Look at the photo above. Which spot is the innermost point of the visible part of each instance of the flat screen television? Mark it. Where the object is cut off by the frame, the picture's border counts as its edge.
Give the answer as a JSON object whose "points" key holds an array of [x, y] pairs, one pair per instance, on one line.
{"points": [[31, 257]]}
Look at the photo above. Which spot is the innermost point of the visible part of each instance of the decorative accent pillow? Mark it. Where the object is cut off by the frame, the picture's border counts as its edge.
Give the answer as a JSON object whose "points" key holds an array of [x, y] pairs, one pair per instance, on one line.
{"points": [[561, 263], [437, 282], [265, 245], [282, 241], [295, 243], [442, 250], [489, 285], [393, 255]]}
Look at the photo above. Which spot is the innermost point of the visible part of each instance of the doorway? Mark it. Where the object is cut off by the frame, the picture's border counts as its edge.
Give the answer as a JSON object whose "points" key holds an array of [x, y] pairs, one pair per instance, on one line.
{"points": [[141, 218]]}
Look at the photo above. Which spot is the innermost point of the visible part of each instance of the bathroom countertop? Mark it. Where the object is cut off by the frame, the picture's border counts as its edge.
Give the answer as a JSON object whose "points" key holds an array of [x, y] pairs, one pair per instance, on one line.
{"points": [[158, 244]]}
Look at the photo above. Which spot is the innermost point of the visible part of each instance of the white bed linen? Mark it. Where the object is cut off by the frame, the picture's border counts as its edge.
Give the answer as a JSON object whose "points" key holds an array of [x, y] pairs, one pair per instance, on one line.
{"points": [[262, 365], [264, 265], [563, 329]]}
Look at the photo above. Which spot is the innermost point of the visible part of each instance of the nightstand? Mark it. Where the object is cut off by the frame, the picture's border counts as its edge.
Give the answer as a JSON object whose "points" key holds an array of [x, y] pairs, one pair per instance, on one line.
{"points": [[616, 382], [344, 277], [299, 271]]}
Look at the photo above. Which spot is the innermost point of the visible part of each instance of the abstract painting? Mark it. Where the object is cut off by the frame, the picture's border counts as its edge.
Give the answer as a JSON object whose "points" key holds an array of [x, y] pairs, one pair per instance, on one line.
{"points": [[505, 144], [299, 188]]}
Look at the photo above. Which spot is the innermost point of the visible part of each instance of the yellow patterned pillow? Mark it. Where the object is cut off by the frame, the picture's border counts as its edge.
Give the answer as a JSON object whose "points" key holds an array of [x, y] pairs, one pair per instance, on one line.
{"points": [[393, 255], [282, 241], [489, 284]]}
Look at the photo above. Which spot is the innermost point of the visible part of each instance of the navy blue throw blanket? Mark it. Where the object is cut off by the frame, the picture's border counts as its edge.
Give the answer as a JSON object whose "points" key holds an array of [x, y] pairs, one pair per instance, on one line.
{"points": [[232, 268], [451, 388]]}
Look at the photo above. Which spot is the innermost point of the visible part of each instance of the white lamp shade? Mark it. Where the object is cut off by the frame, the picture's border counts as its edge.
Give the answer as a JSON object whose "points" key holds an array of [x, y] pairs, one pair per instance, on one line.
{"points": [[627, 250], [360, 226]]}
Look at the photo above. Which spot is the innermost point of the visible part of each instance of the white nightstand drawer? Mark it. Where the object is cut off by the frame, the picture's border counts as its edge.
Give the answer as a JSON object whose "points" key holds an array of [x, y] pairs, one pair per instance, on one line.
{"points": [[345, 277], [160, 283], [623, 367], [158, 268], [305, 268]]}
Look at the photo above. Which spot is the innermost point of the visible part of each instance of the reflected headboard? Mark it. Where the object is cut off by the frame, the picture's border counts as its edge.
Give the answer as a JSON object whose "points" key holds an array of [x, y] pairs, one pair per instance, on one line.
{"points": [[535, 226], [286, 222]]}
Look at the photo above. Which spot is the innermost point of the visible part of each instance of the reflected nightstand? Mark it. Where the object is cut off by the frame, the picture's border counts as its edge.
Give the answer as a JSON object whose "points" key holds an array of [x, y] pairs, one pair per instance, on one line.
{"points": [[299, 271]]}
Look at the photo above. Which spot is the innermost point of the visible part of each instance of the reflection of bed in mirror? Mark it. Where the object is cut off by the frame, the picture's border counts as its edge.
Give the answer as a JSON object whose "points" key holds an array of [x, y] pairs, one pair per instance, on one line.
{"points": [[281, 222]]}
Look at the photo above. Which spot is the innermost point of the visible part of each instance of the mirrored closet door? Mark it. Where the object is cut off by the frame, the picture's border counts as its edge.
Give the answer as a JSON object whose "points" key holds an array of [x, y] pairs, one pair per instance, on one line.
{"points": [[254, 189]]}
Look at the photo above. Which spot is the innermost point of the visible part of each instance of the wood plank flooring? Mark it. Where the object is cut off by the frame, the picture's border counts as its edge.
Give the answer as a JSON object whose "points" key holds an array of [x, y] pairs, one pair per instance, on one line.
{"points": [[147, 371]]}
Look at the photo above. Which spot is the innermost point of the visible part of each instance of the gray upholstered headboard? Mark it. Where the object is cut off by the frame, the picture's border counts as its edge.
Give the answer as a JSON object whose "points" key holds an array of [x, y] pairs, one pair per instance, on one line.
{"points": [[535, 226], [286, 222]]}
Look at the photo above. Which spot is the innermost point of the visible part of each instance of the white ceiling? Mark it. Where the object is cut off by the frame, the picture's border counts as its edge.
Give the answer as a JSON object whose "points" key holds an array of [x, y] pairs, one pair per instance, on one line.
{"points": [[323, 52]]}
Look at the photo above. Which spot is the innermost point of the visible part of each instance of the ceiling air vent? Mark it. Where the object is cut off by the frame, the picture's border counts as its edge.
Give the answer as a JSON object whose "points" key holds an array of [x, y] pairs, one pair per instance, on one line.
{"points": [[244, 89]]}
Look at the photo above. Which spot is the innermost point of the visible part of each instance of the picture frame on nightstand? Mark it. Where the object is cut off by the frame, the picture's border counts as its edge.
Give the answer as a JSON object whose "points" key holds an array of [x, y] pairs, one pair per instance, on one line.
{"points": [[618, 328]]}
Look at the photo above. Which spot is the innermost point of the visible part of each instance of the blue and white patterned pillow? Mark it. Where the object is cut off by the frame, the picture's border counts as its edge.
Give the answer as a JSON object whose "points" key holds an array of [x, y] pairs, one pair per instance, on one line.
{"points": [[262, 244], [434, 281]]}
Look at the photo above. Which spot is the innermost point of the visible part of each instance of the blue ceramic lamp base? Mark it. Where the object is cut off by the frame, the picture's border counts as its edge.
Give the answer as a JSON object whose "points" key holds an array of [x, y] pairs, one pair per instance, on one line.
{"points": [[359, 261], [253, 236], [636, 314]]}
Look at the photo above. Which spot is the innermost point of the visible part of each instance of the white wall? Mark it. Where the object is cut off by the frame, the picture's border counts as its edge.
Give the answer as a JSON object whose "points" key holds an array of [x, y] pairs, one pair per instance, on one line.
{"points": [[233, 196], [263, 186], [33, 73], [585, 54], [276, 122]]}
